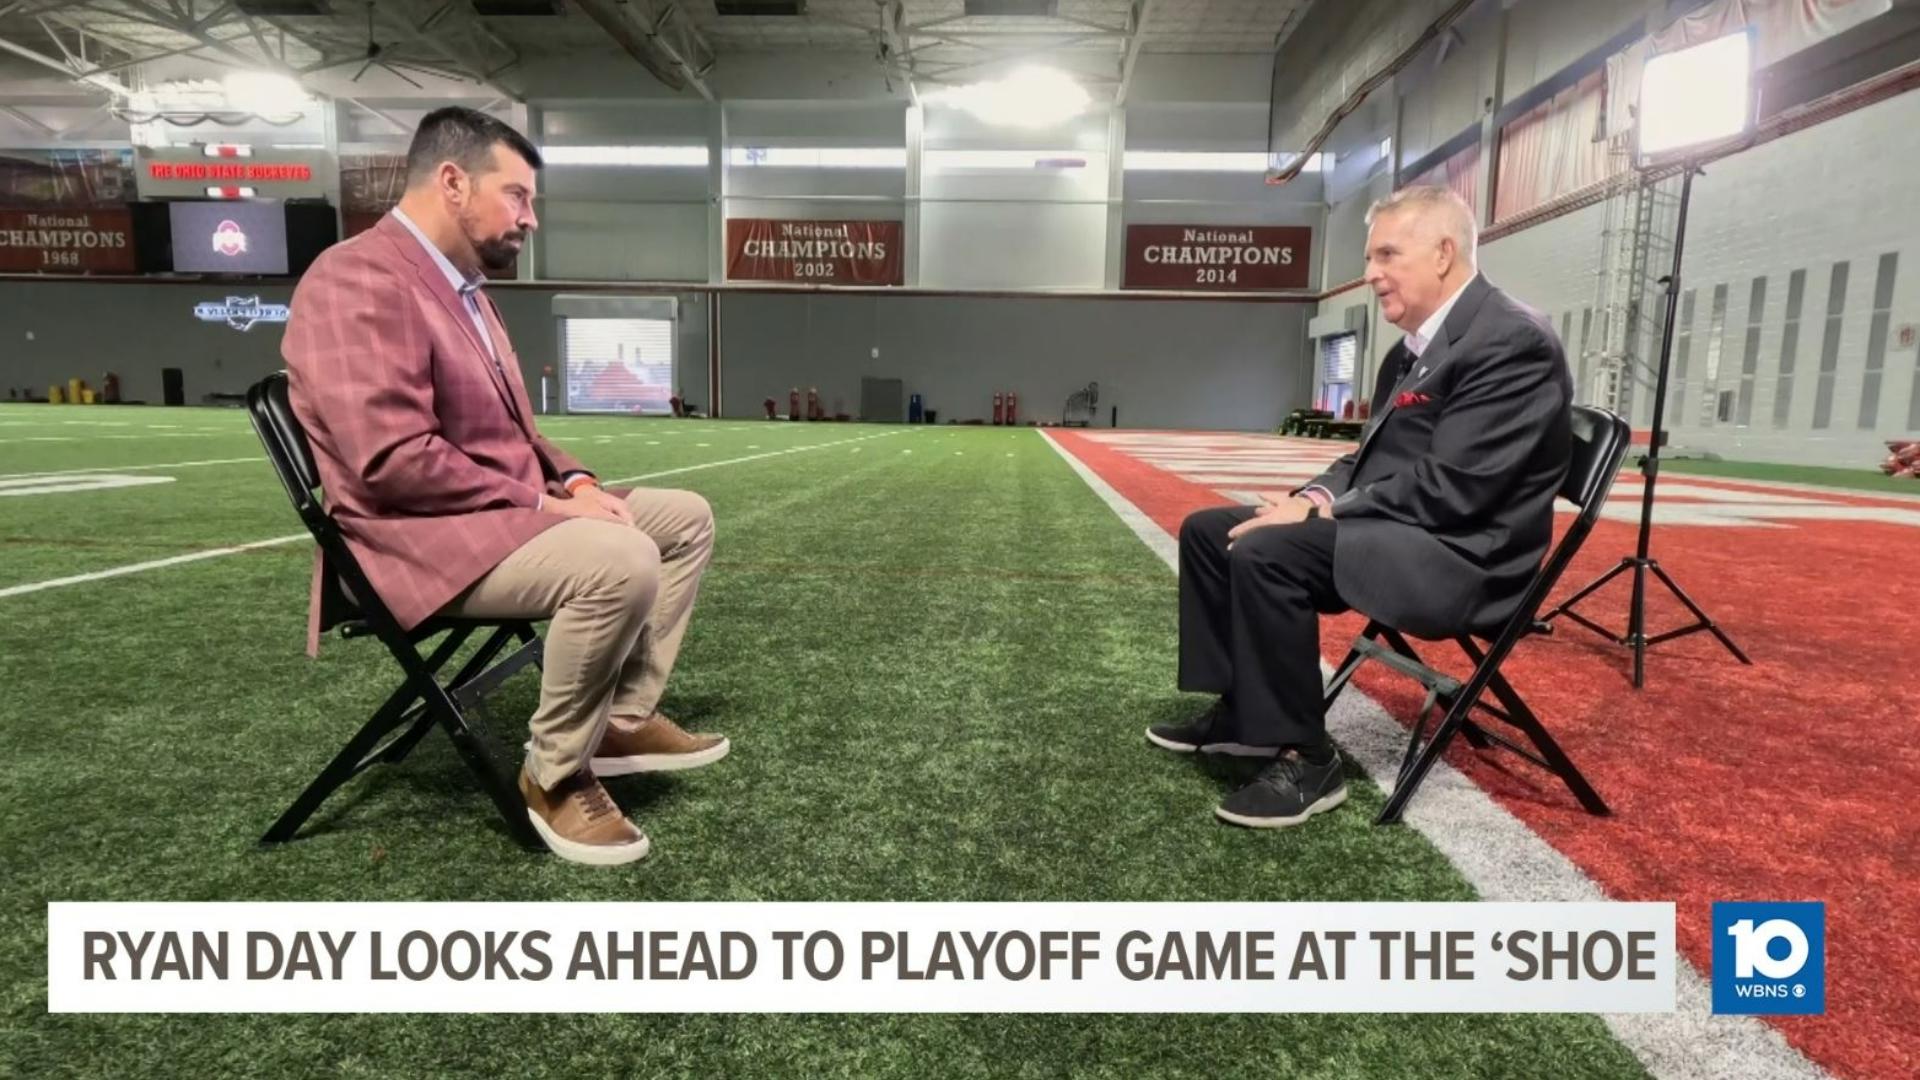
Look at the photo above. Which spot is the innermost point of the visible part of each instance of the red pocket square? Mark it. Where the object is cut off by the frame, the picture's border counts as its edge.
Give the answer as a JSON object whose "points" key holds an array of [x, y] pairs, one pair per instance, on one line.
{"points": [[1411, 398]]}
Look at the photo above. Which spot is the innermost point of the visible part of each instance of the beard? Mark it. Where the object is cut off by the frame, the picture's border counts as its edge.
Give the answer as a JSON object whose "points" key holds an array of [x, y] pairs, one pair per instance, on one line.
{"points": [[498, 253]]}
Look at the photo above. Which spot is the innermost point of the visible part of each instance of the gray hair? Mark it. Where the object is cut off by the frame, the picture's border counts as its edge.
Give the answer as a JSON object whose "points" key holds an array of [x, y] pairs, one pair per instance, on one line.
{"points": [[1442, 206]]}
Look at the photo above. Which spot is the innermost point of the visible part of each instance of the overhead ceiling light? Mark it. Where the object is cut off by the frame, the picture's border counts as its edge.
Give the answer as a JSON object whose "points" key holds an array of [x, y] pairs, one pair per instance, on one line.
{"points": [[265, 94], [1032, 97]]}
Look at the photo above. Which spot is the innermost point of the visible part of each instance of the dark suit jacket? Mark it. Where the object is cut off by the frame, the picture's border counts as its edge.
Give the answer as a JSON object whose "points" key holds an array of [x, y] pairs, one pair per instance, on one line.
{"points": [[1446, 508]]}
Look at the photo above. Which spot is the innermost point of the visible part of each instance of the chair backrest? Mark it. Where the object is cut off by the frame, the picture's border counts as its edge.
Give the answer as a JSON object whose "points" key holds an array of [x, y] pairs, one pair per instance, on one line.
{"points": [[1600, 442], [342, 582], [270, 409]]}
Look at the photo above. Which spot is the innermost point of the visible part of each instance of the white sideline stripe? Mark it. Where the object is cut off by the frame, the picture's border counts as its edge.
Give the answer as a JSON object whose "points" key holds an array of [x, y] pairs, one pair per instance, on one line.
{"points": [[214, 553], [751, 457], [135, 568], [128, 468], [152, 435], [1143, 527], [1504, 860]]}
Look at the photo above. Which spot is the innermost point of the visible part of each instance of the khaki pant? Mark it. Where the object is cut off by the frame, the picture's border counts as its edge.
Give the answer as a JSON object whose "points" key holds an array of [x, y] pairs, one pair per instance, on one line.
{"points": [[619, 599]]}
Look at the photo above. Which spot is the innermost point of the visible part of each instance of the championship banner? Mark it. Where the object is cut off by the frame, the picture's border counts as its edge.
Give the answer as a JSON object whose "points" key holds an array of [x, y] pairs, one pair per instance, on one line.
{"points": [[1218, 258], [66, 241], [816, 252]]}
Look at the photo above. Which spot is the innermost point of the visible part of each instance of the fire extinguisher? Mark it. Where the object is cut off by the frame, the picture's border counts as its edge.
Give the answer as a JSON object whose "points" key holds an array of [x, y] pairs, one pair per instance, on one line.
{"points": [[813, 403], [793, 404], [999, 409], [1013, 401]]}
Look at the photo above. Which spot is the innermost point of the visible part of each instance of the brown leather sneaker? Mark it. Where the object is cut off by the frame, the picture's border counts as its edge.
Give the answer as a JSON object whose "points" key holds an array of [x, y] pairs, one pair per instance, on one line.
{"points": [[581, 822], [654, 744]]}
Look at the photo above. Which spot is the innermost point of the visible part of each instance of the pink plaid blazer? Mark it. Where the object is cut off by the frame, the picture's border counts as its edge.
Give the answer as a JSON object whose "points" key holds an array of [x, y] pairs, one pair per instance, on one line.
{"points": [[428, 458]]}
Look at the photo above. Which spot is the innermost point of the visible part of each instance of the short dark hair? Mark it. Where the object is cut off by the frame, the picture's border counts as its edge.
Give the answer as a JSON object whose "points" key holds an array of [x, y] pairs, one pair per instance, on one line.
{"points": [[465, 137]]}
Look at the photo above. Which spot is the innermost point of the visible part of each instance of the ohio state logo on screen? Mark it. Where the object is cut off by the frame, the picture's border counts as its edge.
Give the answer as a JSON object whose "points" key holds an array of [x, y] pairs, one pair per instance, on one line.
{"points": [[228, 239]]}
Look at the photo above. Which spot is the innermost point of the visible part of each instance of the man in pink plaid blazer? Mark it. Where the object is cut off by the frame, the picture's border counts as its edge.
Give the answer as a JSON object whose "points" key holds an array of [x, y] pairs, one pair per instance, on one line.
{"points": [[454, 503]]}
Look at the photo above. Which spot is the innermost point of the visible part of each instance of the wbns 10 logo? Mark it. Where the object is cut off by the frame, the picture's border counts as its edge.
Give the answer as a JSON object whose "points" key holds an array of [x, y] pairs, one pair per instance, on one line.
{"points": [[1770, 959]]}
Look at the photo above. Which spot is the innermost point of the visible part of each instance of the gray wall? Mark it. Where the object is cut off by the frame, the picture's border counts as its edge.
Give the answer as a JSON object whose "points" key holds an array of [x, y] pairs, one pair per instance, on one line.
{"points": [[1769, 223], [86, 329], [1165, 364], [1196, 364], [1769, 214]]}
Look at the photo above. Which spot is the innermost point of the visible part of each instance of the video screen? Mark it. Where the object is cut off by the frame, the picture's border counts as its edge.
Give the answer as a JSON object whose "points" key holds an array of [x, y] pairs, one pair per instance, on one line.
{"points": [[229, 237]]}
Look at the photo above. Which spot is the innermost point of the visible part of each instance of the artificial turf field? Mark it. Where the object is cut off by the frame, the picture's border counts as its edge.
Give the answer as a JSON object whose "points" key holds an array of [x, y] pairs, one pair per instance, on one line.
{"points": [[934, 648]]}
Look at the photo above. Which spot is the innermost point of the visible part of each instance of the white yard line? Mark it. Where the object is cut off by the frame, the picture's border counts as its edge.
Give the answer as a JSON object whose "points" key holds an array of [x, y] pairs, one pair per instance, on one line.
{"points": [[214, 553], [130, 468], [1504, 860], [751, 457], [219, 434], [156, 564]]}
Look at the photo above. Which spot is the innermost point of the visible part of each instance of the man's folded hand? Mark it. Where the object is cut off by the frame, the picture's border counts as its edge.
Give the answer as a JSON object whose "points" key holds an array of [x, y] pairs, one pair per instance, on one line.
{"points": [[1284, 512], [590, 502]]}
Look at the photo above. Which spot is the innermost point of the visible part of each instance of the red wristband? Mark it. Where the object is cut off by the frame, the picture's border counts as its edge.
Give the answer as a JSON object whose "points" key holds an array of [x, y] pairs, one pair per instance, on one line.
{"points": [[579, 482]]}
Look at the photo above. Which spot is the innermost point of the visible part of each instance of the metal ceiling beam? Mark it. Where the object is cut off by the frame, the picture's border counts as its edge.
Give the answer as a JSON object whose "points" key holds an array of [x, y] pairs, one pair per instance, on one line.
{"points": [[139, 52], [995, 57], [91, 78], [669, 20], [636, 28], [1092, 25], [200, 31], [398, 125], [28, 120], [1089, 31], [1130, 58], [930, 23], [898, 43], [61, 44], [482, 72]]}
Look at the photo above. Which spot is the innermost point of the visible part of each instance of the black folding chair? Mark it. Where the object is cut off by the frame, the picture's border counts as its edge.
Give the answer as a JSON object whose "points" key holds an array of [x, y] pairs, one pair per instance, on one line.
{"points": [[1600, 441], [349, 602]]}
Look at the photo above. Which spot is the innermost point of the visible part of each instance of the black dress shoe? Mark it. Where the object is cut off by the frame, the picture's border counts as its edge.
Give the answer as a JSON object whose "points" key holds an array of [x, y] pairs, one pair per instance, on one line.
{"points": [[1287, 792], [1205, 734]]}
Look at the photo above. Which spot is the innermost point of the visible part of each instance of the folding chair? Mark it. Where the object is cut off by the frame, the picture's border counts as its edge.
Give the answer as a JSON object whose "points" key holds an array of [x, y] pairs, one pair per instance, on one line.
{"points": [[349, 602], [1600, 441]]}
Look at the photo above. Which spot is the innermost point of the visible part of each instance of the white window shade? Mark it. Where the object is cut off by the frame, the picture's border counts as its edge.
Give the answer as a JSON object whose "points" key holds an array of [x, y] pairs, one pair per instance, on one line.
{"points": [[618, 365], [1337, 358]]}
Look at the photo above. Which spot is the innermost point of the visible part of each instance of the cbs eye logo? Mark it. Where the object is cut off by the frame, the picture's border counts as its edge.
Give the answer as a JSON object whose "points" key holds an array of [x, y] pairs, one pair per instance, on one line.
{"points": [[1769, 959]]}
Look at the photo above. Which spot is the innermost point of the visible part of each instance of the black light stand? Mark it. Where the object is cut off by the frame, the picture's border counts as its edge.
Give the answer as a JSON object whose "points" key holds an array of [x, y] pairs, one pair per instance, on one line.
{"points": [[1636, 636]]}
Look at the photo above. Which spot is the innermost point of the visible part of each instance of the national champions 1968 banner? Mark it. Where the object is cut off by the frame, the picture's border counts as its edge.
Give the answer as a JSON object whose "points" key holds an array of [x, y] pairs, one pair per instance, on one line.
{"points": [[815, 252], [54, 240]]}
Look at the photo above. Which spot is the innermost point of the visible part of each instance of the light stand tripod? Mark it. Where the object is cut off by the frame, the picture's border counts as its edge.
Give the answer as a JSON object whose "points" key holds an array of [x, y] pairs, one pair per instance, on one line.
{"points": [[1636, 636]]}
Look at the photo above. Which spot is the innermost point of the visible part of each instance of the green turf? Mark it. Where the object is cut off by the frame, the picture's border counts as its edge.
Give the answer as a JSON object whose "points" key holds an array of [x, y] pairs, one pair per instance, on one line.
{"points": [[935, 650], [1823, 476]]}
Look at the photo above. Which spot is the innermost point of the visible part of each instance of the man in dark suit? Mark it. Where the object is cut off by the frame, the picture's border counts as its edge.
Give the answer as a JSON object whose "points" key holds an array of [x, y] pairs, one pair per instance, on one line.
{"points": [[1434, 524]]}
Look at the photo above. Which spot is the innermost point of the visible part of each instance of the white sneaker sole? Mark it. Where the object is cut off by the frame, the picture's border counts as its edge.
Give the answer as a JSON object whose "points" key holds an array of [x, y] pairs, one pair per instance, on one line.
{"points": [[648, 763], [1228, 749], [590, 854], [1319, 806]]}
